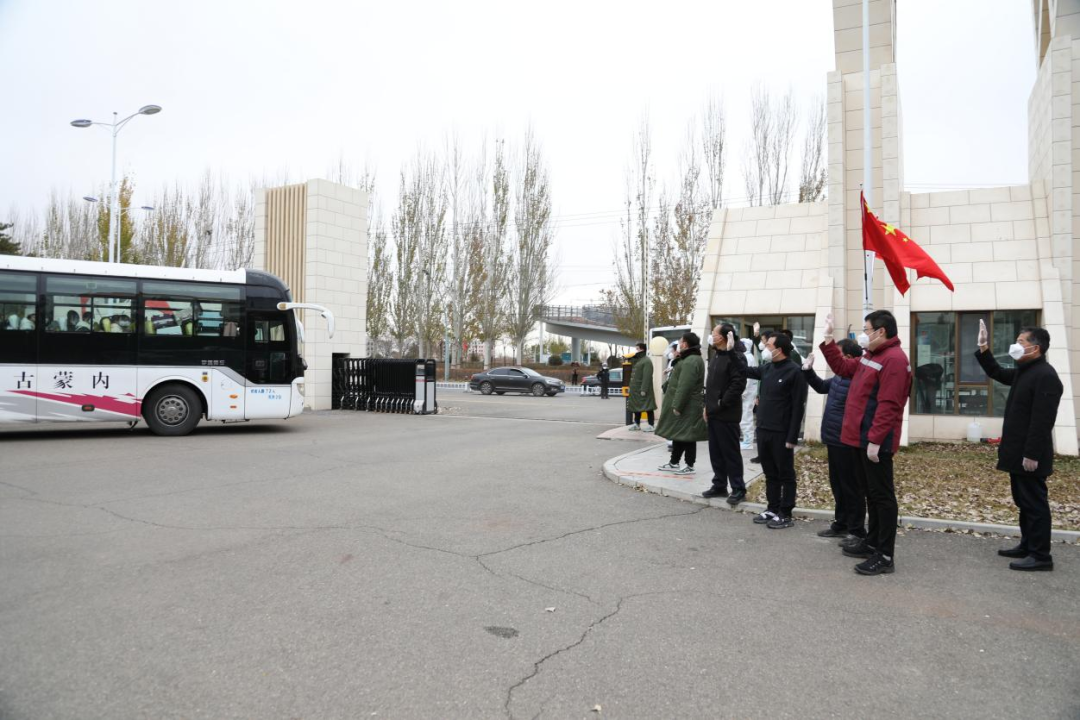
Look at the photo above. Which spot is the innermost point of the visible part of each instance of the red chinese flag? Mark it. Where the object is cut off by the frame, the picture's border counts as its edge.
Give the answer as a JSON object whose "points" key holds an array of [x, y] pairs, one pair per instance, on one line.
{"points": [[898, 251]]}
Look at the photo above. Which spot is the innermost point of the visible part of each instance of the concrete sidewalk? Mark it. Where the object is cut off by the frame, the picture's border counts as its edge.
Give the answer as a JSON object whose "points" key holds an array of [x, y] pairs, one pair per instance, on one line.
{"points": [[638, 469]]}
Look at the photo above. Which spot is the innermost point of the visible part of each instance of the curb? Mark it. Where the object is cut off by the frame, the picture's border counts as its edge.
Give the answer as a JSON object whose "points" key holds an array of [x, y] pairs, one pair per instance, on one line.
{"points": [[612, 473]]}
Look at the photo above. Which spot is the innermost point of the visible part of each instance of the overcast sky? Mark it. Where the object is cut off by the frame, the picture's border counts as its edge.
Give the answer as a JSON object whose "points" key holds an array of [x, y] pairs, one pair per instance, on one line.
{"points": [[260, 88]]}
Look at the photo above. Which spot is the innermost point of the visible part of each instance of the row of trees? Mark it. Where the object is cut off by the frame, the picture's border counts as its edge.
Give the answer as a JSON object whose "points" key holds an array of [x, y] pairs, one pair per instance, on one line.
{"points": [[662, 240], [468, 253], [212, 226]]}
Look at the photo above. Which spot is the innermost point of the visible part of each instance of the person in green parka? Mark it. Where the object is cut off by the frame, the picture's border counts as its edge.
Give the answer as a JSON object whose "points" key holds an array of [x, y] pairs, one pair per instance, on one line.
{"points": [[642, 399], [682, 415]]}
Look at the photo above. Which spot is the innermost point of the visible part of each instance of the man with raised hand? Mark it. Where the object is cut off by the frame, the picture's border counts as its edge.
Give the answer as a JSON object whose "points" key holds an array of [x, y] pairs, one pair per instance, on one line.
{"points": [[1026, 451], [873, 414]]}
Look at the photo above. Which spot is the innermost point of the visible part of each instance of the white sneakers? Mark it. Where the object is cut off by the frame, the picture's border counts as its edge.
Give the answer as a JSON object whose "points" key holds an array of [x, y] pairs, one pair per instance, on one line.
{"points": [[648, 428], [676, 470]]}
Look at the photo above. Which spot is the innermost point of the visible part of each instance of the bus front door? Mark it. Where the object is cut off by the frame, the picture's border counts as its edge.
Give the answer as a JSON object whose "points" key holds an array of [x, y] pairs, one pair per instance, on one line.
{"points": [[269, 372]]}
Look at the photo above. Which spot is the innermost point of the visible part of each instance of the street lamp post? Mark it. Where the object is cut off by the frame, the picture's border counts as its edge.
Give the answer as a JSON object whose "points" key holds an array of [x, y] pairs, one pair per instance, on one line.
{"points": [[116, 126]]}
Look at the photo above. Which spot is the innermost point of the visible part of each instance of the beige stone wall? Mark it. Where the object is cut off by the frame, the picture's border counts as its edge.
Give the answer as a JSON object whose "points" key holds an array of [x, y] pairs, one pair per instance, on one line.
{"points": [[314, 236]]}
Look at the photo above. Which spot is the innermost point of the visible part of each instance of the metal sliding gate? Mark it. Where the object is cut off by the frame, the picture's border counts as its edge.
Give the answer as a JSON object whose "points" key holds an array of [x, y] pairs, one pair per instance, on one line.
{"points": [[385, 385]]}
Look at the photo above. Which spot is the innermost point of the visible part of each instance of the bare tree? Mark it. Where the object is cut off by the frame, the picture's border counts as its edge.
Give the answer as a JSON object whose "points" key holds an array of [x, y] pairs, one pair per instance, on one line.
{"points": [[238, 247], [627, 299], [460, 268], [489, 249], [166, 233], [784, 118], [713, 145], [530, 276], [379, 281], [756, 152], [431, 255], [814, 174], [406, 229]]}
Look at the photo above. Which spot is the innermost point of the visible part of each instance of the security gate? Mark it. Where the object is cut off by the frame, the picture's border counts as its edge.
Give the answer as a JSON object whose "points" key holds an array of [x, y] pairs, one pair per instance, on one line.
{"points": [[385, 385]]}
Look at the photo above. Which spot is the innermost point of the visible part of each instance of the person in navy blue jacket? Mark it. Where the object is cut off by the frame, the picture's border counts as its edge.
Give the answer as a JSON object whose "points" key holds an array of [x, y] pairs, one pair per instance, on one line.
{"points": [[850, 514]]}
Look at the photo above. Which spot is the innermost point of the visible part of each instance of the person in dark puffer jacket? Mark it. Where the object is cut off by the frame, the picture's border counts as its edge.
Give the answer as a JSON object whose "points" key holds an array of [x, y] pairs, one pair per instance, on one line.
{"points": [[849, 516]]}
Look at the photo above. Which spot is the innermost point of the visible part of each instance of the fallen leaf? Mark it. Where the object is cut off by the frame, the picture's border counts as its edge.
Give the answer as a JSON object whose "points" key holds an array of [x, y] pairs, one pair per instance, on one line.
{"points": [[550, 609]]}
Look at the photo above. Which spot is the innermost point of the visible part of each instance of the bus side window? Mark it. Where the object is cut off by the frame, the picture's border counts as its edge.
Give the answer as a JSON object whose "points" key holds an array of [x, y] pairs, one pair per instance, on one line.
{"points": [[164, 316]]}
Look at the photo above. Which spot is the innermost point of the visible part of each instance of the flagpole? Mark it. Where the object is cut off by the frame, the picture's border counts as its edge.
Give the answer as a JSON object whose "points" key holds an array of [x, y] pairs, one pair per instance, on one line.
{"points": [[868, 157]]}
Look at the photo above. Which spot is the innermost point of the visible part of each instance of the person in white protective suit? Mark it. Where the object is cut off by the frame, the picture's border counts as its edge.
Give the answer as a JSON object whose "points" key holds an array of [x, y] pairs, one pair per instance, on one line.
{"points": [[749, 396]]}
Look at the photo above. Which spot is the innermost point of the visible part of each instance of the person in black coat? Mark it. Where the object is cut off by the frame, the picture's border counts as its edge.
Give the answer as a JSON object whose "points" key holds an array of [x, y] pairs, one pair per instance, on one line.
{"points": [[604, 376], [725, 380], [1026, 451], [849, 516], [781, 399]]}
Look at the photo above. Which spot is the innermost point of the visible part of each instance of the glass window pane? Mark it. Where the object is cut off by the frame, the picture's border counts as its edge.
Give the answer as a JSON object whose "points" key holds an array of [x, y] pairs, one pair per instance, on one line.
{"points": [[88, 285], [973, 400], [934, 361], [802, 330], [17, 312], [1006, 327], [217, 319], [191, 290], [18, 283], [970, 370], [168, 316], [112, 315]]}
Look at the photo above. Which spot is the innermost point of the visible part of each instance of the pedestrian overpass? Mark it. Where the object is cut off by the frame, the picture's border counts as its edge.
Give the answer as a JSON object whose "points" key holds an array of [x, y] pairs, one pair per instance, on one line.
{"points": [[591, 323]]}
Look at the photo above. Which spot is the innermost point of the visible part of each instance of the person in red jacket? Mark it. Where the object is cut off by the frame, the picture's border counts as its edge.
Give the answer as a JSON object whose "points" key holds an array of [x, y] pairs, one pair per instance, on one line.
{"points": [[880, 386]]}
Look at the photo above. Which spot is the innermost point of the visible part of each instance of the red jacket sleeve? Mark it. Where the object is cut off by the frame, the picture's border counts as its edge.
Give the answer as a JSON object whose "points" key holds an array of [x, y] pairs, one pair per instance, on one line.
{"points": [[894, 386], [842, 366]]}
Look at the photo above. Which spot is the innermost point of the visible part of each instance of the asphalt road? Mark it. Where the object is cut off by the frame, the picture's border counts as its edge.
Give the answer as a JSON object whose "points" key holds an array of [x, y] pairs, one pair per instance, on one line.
{"points": [[477, 564]]}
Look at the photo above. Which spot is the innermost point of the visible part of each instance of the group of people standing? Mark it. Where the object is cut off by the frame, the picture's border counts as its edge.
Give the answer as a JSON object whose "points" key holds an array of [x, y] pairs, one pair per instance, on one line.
{"points": [[735, 400]]}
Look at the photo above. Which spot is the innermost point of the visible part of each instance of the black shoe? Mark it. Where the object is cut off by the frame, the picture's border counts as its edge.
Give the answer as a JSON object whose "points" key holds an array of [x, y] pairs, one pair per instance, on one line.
{"points": [[765, 517], [1030, 563], [715, 492], [851, 540], [876, 565], [756, 460], [831, 532], [1014, 552], [861, 550], [780, 523], [736, 497]]}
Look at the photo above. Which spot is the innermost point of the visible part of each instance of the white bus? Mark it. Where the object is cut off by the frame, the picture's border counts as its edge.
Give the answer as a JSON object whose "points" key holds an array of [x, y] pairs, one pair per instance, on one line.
{"points": [[91, 341]]}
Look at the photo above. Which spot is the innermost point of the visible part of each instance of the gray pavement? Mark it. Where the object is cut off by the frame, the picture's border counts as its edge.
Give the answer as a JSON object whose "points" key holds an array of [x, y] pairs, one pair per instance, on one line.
{"points": [[477, 564]]}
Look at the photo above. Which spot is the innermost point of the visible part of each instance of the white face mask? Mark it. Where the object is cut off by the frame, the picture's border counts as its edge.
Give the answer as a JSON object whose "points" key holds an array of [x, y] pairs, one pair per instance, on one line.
{"points": [[766, 355], [864, 340], [761, 346], [1016, 351]]}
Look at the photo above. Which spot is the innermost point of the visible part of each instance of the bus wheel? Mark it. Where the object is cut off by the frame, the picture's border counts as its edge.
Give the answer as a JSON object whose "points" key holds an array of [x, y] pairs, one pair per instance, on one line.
{"points": [[172, 410]]}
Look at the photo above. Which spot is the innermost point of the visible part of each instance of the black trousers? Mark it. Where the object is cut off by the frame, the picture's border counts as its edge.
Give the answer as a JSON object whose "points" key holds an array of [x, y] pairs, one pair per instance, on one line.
{"points": [[603, 390], [649, 414], [778, 462], [679, 448], [876, 483], [850, 502], [1029, 494], [725, 455]]}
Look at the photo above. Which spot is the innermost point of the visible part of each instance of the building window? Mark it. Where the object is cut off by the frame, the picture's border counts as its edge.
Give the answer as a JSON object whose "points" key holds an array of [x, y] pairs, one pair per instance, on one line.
{"points": [[801, 327], [948, 378]]}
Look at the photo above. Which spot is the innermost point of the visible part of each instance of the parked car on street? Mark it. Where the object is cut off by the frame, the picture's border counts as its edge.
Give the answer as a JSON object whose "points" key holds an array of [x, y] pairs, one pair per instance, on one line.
{"points": [[516, 379], [591, 386]]}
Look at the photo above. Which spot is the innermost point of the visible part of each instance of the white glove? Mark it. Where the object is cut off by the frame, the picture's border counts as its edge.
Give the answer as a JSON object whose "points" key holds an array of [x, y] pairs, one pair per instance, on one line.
{"points": [[730, 341], [872, 452], [984, 337], [1030, 465], [829, 327], [808, 362], [757, 329]]}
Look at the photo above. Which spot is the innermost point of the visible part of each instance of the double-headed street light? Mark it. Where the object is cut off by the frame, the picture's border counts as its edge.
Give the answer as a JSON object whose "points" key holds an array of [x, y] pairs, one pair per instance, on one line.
{"points": [[116, 126]]}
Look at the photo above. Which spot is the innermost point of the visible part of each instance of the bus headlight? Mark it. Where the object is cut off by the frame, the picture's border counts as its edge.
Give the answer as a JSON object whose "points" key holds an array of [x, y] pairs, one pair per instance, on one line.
{"points": [[300, 388]]}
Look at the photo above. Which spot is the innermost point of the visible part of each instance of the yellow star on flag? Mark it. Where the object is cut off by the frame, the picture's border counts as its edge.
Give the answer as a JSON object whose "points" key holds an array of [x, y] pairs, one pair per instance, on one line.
{"points": [[889, 229]]}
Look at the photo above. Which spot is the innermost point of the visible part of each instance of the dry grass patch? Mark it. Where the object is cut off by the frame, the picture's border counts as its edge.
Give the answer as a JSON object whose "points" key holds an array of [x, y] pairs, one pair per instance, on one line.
{"points": [[946, 481]]}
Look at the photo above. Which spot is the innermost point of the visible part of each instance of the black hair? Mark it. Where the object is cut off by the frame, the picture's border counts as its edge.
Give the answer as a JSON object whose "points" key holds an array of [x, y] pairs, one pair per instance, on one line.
{"points": [[642, 346], [691, 339], [850, 347], [883, 319], [1038, 336], [766, 334], [788, 334], [782, 343], [726, 328]]}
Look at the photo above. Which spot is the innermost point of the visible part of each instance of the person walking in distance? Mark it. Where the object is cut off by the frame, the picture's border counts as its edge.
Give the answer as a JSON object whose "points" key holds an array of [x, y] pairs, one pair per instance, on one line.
{"points": [[725, 381], [781, 398], [604, 377], [642, 398], [682, 415], [873, 414], [749, 398], [849, 516], [1026, 451], [574, 376]]}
